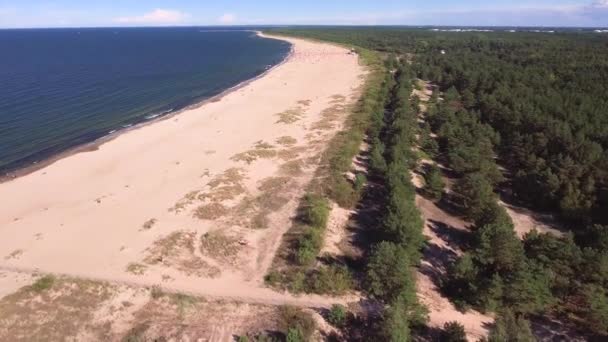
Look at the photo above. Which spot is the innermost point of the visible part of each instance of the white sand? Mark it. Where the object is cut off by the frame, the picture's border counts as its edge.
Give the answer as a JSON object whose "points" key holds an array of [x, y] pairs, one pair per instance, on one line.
{"points": [[83, 215]]}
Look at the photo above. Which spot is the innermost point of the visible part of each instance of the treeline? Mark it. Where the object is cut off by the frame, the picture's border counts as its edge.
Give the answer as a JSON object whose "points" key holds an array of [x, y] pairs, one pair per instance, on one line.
{"points": [[547, 99], [390, 269], [537, 103], [499, 272], [551, 136]]}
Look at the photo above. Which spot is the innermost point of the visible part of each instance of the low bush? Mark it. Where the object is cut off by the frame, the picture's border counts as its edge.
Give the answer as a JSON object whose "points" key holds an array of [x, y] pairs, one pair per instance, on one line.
{"points": [[44, 283], [296, 324], [337, 315]]}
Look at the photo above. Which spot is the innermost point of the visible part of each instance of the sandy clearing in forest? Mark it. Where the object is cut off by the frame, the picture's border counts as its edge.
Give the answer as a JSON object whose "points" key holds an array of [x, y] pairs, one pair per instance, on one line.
{"points": [[442, 231], [524, 221], [135, 210]]}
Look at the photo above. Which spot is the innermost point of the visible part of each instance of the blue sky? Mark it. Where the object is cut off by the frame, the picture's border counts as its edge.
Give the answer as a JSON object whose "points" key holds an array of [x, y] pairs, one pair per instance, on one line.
{"points": [[82, 13]]}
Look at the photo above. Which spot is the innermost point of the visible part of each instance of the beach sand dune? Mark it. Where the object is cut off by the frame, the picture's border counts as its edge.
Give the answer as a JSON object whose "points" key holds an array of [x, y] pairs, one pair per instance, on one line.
{"points": [[196, 202]]}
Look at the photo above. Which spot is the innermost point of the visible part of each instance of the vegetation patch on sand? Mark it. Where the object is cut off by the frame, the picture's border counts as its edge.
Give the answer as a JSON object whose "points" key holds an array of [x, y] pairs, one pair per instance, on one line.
{"points": [[292, 153], [178, 251], [291, 115], [286, 140], [180, 317], [185, 201], [305, 103], [261, 150], [226, 186], [253, 211], [211, 211], [292, 168], [14, 254], [218, 245], [149, 224], [51, 309], [136, 268], [329, 116]]}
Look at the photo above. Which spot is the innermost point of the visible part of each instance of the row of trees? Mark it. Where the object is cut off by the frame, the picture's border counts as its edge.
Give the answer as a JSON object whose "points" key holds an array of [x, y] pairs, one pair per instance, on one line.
{"points": [[390, 276]]}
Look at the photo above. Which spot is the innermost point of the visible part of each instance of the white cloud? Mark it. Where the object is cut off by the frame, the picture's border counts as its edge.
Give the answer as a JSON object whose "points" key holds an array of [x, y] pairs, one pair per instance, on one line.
{"points": [[157, 16], [227, 19]]}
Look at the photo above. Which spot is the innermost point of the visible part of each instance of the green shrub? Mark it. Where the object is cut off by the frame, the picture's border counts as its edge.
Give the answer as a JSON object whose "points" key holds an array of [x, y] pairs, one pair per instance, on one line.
{"points": [[335, 280], [44, 283], [294, 335], [316, 210], [453, 332], [273, 278], [306, 254], [298, 282], [296, 323], [388, 271], [337, 315], [434, 183], [360, 181]]}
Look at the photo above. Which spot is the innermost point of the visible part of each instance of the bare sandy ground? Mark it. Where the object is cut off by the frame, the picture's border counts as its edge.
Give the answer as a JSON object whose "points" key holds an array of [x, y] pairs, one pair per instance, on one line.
{"points": [[525, 220], [197, 202], [442, 230]]}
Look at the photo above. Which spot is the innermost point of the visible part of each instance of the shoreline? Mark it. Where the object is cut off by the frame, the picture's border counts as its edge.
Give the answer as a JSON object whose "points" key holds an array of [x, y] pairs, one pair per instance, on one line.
{"points": [[98, 142], [231, 171]]}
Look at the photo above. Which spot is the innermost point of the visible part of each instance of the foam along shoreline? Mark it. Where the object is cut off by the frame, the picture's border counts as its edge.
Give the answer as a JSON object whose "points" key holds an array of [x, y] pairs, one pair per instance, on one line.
{"points": [[104, 213], [147, 120]]}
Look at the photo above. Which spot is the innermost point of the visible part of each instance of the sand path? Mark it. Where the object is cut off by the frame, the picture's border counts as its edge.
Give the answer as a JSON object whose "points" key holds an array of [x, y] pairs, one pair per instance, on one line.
{"points": [[136, 209]]}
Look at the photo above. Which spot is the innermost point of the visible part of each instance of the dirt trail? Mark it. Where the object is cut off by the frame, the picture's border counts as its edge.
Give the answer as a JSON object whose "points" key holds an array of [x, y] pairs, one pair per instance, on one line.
{"points": [[253, 295], [443, 232]]}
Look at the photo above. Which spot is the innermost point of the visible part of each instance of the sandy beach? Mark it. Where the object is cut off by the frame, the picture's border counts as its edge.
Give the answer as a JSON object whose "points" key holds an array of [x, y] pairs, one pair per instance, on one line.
{"points": [[197, 202]]}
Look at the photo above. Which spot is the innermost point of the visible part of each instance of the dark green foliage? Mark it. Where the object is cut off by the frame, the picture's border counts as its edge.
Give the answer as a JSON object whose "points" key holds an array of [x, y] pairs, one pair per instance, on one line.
{"points": [[434, 183], [561, 256], [315, 213], [498, 249], [395, 324], [453, 332], [389, 271], [377, 162], [337, 315], [595, 310], [44, 283], [475, 194], [511, 328], [334, 280], [530, 101]]}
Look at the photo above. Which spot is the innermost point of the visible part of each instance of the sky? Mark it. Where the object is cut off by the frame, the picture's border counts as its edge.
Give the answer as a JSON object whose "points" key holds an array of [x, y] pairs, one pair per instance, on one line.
{"points": [[96, 13]]}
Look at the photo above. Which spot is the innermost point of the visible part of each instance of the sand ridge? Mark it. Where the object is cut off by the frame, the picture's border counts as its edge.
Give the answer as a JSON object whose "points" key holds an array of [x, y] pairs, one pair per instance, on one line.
{"points": [[136, 209]]}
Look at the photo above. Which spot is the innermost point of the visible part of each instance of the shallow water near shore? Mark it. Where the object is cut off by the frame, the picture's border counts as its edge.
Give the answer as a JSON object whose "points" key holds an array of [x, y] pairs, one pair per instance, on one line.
{"points": [[62, 88]]}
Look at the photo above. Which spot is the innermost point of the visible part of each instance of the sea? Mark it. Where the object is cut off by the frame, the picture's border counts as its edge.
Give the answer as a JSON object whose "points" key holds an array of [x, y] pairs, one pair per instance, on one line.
{"points": [[63, 88]]}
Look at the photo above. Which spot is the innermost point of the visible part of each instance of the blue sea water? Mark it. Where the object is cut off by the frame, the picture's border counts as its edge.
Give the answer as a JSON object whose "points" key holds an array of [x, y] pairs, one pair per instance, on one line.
{"points": [[60, 88]]}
